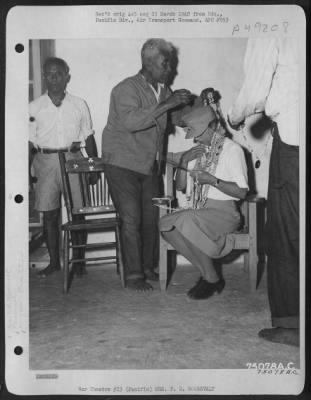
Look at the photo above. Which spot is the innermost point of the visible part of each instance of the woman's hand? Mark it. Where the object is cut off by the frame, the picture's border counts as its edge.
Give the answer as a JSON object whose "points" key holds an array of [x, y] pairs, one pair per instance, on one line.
{"points": [[192, 154], [203, 177]]}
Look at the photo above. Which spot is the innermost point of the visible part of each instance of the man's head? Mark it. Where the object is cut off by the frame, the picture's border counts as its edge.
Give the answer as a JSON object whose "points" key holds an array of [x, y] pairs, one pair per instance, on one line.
{"points": [[201, 124], [56, 75], [158, 59]]}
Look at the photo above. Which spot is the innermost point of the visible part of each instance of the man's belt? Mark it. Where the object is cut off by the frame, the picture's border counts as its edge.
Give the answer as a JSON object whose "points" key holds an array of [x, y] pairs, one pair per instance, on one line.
{"points": [[52, 151]]}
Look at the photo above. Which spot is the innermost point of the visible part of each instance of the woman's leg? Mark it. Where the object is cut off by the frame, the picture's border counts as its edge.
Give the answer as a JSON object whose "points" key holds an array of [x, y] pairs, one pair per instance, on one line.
{"points": [[197, 258]]}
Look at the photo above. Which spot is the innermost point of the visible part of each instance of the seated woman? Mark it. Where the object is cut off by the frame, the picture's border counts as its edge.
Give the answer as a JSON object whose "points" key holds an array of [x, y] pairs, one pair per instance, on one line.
{"points": [[219, 179]]}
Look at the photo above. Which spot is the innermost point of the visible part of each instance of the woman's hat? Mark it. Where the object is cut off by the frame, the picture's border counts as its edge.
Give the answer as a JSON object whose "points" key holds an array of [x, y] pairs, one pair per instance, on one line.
{"points": [[197, 121]]}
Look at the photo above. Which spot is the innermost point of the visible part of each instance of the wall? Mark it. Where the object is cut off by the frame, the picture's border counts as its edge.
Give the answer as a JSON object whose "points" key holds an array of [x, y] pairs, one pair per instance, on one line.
{"points": [[98, 65]]}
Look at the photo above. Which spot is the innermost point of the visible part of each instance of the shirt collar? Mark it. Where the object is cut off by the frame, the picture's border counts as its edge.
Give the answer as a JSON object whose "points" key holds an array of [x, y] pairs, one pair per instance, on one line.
{"points": [[49, 99], [157, 92], [160, 85]]}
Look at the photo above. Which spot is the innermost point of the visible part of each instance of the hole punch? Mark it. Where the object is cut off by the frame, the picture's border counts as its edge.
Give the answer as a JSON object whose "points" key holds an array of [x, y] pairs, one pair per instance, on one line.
{"points": [[18, 198], [18, 350], [19, 48]]}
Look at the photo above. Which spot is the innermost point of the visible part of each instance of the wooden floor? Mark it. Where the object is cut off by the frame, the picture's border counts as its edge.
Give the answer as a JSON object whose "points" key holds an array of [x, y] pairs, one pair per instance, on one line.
{"points": [[99, 325]]}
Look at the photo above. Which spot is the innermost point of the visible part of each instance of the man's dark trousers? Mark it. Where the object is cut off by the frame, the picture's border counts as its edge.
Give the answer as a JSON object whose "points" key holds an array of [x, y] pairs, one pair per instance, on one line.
{"points": [[282, 234], [132, 194]]}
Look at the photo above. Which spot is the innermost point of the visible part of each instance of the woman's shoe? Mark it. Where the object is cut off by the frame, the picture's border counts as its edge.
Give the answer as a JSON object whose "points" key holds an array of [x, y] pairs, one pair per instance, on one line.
{"points": [[207, 289], [196, 286]]}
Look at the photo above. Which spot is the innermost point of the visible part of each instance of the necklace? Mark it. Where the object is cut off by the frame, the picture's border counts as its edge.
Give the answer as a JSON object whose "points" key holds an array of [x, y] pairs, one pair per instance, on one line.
{"points": [[257, 163], [208, 162]]}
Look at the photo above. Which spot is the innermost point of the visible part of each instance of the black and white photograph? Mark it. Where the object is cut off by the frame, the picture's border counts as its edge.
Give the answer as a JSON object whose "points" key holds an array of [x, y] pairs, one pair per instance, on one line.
{"points": [[156, 200]]}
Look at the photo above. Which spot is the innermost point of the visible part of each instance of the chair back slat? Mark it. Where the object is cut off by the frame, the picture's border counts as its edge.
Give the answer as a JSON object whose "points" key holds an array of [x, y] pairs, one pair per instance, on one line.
{"points": [[85, 190], [104, 191], [96, 189], [95, 198], [107, 198], [93, 194], [100, 190]]}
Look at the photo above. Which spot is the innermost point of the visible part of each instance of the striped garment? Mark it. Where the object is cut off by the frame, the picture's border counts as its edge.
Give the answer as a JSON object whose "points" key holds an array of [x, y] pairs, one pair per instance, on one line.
{"points": [[271, 84]]}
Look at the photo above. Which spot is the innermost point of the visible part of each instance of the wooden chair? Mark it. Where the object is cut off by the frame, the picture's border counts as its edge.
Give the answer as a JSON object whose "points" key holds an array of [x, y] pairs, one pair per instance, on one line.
{"points": [[96, 202], [245, 239]]}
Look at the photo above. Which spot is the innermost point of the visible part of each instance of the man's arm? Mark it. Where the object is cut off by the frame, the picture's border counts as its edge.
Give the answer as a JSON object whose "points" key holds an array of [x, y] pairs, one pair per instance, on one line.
{"points": [[177, 114], [31, 152], [260, 62], [180, 97], [91, 150], [228, 187], [189, 155], [87, 133], [127, 102]]}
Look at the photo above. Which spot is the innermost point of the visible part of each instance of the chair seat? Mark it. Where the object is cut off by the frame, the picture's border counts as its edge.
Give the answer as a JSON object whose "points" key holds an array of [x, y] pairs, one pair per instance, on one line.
{"points": [[91, 224], [94, 210], [241, 240]]}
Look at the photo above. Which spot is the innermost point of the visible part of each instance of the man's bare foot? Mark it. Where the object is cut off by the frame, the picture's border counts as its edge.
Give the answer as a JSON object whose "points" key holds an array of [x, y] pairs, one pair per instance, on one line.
{"points": [[48, 271], [151, 275], [140, 285]]}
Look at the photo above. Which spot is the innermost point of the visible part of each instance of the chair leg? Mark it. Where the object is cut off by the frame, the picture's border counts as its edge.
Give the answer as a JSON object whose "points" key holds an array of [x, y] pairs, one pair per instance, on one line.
{"points": [[253, 262], [250, 266], [120, 265], [163, 264], [66, 261], [246, 262], [253, 250]]}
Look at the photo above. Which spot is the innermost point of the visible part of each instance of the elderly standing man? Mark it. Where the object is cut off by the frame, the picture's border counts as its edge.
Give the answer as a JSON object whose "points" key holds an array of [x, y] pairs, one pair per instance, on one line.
{"points": [[57, 120], [132, 146]]}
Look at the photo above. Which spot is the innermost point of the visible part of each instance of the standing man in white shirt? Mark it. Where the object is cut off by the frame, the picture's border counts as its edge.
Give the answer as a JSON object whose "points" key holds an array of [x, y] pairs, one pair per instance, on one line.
{"points": [[57, 120], [271, 85]]}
